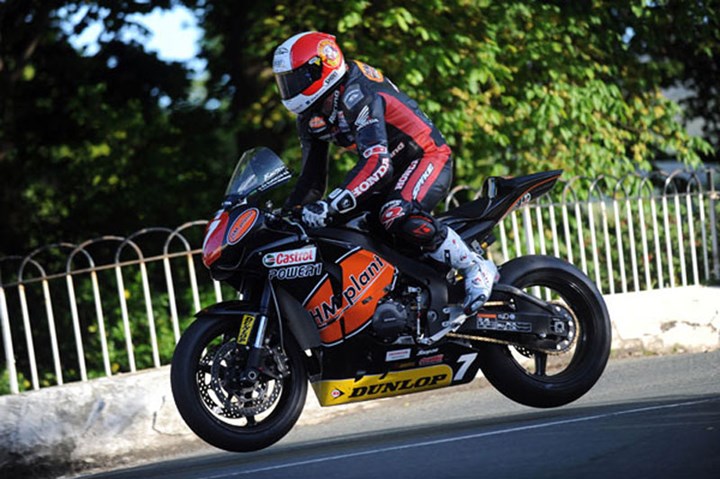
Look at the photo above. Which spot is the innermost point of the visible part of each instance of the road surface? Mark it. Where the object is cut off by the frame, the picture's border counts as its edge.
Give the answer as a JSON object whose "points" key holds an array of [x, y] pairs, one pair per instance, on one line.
{"points": [[653, 417]]}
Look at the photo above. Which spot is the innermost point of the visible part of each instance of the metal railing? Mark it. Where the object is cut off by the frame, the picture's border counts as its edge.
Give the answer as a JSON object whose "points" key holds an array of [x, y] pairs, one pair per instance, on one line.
{"points": [[66, 313], [118, 304], [639, 232]]}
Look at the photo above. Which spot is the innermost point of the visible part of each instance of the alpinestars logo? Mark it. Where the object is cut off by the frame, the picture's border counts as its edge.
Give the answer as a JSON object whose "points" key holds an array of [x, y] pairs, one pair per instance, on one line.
{"points": [[392, 211], [335, 112], [374, 150]]}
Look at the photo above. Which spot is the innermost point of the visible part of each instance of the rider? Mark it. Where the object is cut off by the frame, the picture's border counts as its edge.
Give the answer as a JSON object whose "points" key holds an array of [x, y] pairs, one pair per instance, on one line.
{"points": [[401, 154]]}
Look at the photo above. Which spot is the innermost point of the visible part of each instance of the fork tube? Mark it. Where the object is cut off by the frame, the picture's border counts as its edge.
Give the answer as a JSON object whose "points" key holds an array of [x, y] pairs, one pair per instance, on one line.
{"points": [[254, 356], [260, 336]]}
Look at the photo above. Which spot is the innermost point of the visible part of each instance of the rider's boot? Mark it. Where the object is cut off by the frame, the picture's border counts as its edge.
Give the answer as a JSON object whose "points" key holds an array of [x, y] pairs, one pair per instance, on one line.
{"points": [[479, 273]]}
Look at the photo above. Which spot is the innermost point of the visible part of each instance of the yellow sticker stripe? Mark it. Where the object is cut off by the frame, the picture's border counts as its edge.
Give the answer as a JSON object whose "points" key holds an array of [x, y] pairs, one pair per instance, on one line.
{"points": [[246, 326], [343, 391]]}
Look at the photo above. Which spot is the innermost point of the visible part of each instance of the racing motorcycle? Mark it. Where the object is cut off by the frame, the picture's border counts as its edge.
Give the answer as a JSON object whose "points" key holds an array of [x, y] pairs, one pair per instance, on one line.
{"points": [[359, 316]]}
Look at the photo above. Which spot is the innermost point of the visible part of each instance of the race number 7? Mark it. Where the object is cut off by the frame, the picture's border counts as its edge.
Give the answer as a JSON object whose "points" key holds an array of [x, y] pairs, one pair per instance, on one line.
{"points": [[465, 361]]}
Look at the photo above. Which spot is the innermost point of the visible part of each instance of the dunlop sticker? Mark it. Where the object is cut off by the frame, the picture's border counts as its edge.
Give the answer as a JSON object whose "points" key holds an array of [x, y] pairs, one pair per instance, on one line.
{"points": [[342, 391], [246, 326]]}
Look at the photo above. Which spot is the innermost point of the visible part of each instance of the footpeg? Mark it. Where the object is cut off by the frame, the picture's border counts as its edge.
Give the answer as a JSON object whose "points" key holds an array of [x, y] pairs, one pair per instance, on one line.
{"points": [[457, 319]]}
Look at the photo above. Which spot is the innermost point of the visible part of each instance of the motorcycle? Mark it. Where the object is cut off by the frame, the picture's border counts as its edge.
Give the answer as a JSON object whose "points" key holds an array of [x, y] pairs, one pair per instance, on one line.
{"points": [[359, 316]]}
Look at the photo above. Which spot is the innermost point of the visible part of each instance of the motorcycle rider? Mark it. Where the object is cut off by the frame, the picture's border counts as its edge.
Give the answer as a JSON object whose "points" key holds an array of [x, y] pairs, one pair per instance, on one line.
{"points": [[401, 154]]}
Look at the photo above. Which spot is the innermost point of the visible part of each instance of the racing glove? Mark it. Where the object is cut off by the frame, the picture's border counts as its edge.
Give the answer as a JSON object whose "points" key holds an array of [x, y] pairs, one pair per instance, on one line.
{"points": [[316, 215], [320, 213]]}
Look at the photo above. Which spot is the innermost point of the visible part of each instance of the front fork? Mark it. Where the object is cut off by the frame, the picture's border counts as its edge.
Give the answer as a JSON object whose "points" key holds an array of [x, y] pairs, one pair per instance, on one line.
{"points": [[252, 370]]}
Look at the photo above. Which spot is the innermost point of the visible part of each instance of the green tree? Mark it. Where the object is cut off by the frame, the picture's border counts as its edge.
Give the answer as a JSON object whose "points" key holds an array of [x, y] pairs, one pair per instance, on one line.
{"points": [[96, 143], [515, 86], [114, 140], [681, 39]]}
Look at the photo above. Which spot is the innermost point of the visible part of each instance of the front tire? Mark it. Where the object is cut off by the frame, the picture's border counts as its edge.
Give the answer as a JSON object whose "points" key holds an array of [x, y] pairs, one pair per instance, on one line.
{"points": [[531, 380], [237, 416]]}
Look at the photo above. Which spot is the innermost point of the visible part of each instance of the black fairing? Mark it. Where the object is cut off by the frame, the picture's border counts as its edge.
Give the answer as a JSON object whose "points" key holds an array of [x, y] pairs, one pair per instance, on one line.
{"points": [[244, 265], [499, 196], [242, 261]]}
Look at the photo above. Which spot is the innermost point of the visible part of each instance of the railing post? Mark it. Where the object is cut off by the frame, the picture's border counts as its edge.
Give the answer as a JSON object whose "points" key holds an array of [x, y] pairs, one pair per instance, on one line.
{"points": [[7, 343], [28, 337], [713, 196]]}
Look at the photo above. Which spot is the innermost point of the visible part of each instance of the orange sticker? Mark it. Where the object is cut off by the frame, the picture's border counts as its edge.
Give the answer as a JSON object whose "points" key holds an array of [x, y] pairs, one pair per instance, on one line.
{"points": [[317, 123], [365, 279], [242, 225], [329, 53], [370, 72]]}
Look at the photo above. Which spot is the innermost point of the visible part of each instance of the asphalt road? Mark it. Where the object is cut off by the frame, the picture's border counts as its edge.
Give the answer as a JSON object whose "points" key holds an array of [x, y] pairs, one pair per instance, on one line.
{"points": [[656, 417]]}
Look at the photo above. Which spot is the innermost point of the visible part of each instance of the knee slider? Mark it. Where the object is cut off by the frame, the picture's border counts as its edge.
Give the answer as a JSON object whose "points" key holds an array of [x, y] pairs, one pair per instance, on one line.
{"points": [[419, 229], [411, 224]]}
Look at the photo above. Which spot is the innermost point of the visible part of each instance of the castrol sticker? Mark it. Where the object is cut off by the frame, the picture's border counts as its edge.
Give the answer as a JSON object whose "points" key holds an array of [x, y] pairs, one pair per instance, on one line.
{"points": [[242, 225], [288, 258]]}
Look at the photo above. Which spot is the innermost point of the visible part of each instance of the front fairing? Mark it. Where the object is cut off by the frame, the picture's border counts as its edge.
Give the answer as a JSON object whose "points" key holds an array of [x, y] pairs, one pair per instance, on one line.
{"points": [[258, 170]]}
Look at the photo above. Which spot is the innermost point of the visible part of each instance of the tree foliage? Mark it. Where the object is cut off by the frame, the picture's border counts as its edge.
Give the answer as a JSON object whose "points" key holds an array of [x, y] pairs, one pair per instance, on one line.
{"points": [[515, 86], [681, 40], [94, 144], [114, 140]]}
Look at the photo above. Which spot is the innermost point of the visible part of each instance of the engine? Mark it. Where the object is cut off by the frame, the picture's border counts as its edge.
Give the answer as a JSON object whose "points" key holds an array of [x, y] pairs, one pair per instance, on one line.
{"points": [[397, 316], [390, 319]]}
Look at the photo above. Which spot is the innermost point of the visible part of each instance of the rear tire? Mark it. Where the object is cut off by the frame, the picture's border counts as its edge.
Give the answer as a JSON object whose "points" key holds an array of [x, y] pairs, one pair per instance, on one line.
{"points": [[583, 364], [234, 416]]}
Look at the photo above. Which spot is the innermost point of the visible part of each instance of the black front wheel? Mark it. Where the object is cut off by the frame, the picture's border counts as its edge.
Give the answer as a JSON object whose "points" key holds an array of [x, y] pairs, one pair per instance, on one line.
{"points": [[550, 379], [225, 409]]}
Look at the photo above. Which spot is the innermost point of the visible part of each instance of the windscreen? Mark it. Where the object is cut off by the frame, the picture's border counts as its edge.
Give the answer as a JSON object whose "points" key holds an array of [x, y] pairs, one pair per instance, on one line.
{"points": [[258, 170]]}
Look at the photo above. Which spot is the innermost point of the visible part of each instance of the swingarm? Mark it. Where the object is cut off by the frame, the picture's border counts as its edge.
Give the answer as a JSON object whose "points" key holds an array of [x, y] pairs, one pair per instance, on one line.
{"points": [[514, 316]]}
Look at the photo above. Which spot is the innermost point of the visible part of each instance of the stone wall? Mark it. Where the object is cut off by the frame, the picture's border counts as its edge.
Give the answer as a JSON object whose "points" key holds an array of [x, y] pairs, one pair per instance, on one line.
{"points": [[666, 320]]}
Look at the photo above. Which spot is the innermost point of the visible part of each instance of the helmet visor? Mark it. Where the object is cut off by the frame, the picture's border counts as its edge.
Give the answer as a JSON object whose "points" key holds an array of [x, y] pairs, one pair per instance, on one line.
{"points": [[294, 82]]}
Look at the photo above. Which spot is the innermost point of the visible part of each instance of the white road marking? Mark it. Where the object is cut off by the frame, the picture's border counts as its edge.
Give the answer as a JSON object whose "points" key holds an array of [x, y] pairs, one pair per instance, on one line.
{"points": [[498, 432]]}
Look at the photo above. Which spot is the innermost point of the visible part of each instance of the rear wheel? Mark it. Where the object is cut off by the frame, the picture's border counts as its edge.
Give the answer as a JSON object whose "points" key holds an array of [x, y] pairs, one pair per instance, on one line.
{"points": [[542, 379], [225, 410]]}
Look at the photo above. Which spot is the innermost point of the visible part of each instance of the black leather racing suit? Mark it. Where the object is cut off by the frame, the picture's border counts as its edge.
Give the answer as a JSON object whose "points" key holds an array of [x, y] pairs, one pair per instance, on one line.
{"points": [[401, 153]]}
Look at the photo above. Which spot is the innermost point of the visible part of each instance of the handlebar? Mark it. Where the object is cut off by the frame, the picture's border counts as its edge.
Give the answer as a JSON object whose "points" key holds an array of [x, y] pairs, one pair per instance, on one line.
{"points": [[289, 216]]}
